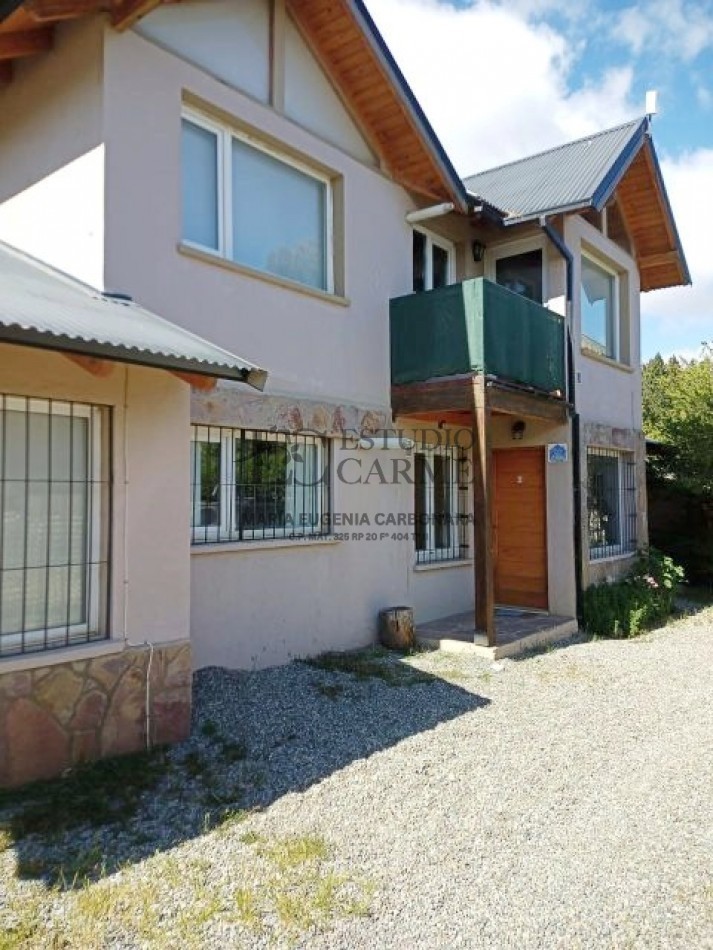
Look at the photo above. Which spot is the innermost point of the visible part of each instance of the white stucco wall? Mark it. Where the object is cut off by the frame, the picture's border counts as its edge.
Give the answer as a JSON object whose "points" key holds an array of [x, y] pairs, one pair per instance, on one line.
{"points": [[150, 410], [51, 155], [259, 604], [607, 392], [312, 346]]}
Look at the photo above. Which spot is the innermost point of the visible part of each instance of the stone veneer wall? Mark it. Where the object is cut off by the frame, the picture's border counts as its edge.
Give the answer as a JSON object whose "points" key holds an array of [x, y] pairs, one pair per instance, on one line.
{"points": [[631, 440], [54, 717]]}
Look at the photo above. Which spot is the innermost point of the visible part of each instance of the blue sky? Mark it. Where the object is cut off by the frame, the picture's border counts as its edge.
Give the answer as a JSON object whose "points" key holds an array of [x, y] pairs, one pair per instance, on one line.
{"points": [[500, 80]]}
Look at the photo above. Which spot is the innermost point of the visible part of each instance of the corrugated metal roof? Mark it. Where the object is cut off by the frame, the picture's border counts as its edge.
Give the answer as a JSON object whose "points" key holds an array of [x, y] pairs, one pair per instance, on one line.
{"points": [[41, 306], [569, 176]]}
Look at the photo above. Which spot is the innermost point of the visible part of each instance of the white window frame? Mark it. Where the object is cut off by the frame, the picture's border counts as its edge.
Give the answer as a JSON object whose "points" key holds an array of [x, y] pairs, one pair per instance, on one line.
{"points": [[80, 632], [435, 240], [453, 549], [616, 320], [624, 457], [513, 249], [225, 135], [228, 529]]}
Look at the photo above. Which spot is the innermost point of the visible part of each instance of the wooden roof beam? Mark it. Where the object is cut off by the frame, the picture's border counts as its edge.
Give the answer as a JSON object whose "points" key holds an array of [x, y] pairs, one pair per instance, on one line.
{"points": [[25, 43], [44, 11], [125, 13], [659, 260]]}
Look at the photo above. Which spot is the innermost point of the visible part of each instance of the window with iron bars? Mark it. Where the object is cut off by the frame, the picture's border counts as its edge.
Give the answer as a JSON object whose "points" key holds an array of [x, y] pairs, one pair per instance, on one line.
{"points": [[611, 502], [55, 497], [248, 485], [440, 504]]}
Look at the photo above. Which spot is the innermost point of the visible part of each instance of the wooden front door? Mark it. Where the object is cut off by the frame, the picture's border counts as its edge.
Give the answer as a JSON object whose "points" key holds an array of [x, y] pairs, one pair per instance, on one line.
{"points": [[520, 527]]}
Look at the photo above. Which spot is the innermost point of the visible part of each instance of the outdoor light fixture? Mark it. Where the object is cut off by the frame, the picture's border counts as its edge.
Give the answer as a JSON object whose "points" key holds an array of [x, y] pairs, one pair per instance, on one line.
{"points": [[518, 429], [478, 251]]}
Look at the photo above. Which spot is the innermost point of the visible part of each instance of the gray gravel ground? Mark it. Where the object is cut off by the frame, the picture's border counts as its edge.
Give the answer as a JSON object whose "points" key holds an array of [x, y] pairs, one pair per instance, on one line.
{"points": [[560, 800]]}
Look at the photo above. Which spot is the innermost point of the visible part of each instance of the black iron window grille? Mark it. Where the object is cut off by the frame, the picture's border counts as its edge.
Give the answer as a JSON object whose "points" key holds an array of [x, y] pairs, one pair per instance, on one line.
{"points": [[611, 502], [248, 485], [55, 497], [440, 504]]}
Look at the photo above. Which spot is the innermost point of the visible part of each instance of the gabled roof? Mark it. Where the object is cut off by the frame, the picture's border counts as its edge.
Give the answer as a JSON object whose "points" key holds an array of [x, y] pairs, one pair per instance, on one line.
{"points": [[559, 179], [43, 307], [585, 174], [345, 41]]}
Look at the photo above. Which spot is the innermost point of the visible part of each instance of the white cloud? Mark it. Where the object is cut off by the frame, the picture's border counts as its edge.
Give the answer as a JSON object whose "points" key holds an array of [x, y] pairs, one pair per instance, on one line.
{"points": [[673, 27], [495, 85]]}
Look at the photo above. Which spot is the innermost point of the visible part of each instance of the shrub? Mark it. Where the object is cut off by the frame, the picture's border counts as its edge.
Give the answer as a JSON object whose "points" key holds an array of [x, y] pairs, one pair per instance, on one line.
{"points": [[638, 602]]}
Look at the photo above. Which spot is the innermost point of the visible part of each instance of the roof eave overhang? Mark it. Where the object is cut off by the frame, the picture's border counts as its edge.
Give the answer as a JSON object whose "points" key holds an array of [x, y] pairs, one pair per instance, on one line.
{"points": [[658, 176], [454, 186], [24, 336]]}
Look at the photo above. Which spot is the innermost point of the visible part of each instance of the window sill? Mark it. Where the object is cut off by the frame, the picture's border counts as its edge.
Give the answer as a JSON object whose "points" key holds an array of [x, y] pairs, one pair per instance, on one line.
{"points": [[607, 361], [242, 547], [207, 258], [611, 557], [443, 565], [72, 654]]}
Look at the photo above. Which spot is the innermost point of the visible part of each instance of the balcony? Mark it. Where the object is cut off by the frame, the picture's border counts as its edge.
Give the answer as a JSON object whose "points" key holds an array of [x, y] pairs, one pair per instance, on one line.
{"points": [[477, 327]]}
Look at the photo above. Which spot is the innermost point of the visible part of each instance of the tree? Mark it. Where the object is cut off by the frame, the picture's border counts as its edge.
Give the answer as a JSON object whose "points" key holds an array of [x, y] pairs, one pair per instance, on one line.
{"points": [[678, 412]]}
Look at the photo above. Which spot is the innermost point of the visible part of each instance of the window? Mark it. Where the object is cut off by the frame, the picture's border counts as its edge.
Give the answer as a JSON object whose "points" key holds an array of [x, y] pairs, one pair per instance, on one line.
{"points": [[248, 485], [54, 506], [522, 274], [599, 309], [432, 262], [611, 502], [440, 504], [254, 207]]}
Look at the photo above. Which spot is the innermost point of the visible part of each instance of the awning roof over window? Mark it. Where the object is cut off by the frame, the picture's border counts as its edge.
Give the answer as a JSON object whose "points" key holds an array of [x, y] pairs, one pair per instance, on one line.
{"points": [[42, 307]]}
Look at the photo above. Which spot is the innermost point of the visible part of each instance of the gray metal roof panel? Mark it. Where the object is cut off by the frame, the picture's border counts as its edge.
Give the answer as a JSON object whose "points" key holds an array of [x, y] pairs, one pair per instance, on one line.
{"points": [[568, 176], [41, 306]]}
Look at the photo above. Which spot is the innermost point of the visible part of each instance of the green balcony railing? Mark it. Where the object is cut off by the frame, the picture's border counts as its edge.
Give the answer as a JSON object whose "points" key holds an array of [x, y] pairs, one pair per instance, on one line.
{"points": [[476, 327]]}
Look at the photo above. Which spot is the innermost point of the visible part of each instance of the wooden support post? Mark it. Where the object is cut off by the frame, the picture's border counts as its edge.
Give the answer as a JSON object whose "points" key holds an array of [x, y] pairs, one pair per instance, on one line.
{"points": [[483, 514]]}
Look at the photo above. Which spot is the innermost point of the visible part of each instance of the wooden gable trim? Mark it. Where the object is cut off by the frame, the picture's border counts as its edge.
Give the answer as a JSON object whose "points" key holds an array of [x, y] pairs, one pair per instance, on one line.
{"points": [[647, 217], [24, 43], [370, 95]]}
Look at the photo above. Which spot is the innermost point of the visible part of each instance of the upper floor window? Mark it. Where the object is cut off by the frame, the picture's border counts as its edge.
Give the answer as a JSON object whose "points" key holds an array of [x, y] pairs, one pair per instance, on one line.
{"points": [[245, 202], [522, 273], [599, 309], [433, 261], [54, 511]]}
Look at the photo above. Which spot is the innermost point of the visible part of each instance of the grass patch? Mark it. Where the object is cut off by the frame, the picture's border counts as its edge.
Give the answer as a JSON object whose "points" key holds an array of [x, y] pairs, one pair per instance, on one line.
{"points": [[369, 664], [303, 895], [287, 853], [100, 793]]}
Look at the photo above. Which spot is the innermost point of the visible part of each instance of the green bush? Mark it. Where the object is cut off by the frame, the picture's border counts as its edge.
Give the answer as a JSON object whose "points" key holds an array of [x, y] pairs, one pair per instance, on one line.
{"points": [[638, 602]]}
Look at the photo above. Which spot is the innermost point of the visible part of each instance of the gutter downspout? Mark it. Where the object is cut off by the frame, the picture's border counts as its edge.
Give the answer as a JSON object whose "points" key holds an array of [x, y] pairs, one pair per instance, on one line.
{"points": [[559, 243]]}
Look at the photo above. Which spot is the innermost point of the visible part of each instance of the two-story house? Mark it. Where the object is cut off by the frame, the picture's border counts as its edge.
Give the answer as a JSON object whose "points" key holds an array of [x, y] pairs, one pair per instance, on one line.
{"points": [[259, 173]]}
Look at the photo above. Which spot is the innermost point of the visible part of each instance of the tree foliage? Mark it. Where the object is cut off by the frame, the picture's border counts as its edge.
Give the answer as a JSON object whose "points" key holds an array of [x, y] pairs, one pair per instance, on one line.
{"points": [[678, 412]]}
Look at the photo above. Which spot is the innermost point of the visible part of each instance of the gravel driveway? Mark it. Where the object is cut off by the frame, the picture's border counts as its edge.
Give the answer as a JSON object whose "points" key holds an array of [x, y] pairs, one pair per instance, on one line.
{"points": [[560, 800]]}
